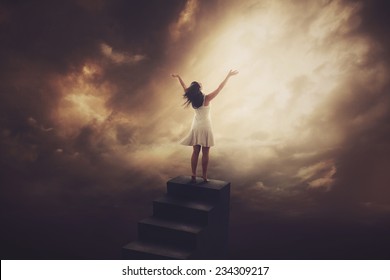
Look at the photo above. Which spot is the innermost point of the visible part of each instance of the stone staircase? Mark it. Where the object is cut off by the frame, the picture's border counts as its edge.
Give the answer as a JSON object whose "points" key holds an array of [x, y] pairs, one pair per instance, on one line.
{"points": [[189, 222]]}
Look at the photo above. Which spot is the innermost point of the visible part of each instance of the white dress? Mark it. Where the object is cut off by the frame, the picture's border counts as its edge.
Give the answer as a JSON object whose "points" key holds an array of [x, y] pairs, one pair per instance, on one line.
{"points": [[201, 132]]}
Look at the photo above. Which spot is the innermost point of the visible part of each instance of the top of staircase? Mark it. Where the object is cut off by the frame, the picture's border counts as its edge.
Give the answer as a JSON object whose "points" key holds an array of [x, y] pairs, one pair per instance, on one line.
{"points": [[211, 184]]}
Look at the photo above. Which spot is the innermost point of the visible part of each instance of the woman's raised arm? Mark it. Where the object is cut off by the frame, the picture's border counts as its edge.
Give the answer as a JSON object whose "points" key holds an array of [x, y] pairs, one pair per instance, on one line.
{"points": [[213, 94], [180, 80]]}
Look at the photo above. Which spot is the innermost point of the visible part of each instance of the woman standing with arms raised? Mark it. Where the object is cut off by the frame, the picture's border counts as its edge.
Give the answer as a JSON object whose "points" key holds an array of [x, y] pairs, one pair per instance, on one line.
{"points": [[200, 136]]}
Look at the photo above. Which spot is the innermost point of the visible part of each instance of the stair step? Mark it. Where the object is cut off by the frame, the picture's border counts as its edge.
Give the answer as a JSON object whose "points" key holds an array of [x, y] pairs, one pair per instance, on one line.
{"points": [[183, 235], [174, 225], [210, 191], [181, 202], [148, 250], [179, 209]]}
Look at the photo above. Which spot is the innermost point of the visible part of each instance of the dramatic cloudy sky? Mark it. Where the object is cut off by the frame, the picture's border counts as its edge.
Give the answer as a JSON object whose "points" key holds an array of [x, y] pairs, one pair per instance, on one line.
{"points": [[90, 122]]}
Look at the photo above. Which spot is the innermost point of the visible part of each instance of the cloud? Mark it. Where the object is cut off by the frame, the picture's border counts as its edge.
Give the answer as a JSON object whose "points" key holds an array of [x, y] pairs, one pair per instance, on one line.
{"points": [[90, 119], [186, 21], [120, 57], [318, 175]]}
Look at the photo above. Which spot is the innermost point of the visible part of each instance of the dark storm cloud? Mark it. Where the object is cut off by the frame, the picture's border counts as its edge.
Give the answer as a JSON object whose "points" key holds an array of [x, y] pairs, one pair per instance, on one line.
{"points": [[44, 175], [362, 179], [44, 39]]}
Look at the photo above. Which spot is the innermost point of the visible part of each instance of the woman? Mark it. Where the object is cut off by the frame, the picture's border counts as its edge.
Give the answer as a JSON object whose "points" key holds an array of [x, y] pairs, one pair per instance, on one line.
{"points": [[201, 134]]}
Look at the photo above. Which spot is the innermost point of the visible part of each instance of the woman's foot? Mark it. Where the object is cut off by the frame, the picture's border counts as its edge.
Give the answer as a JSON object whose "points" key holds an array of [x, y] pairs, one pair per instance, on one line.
{"points": [[205, 180], [193, 179]]}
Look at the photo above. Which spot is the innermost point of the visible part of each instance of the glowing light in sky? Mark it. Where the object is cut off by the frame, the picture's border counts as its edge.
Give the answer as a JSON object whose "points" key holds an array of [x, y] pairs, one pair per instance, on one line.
{"points": [[277, 63], [294, 59], [287, 69]]}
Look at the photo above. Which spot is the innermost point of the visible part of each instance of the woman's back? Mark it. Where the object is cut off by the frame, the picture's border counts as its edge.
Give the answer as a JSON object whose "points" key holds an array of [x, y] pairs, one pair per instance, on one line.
{"points": [[202, 114]]}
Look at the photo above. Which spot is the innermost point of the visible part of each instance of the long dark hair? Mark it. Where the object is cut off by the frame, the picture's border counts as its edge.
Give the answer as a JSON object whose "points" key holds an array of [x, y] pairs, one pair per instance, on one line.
{"points": [[193, 96]]}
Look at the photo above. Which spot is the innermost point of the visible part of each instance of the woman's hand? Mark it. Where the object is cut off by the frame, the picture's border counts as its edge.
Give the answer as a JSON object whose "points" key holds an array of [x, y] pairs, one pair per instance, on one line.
{"points": [[232, 73], [180, 80]]}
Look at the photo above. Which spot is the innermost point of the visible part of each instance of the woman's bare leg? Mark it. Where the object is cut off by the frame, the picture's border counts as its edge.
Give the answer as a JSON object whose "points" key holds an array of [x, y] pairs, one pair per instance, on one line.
{"points": [[194, 160], [205, 161]]}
